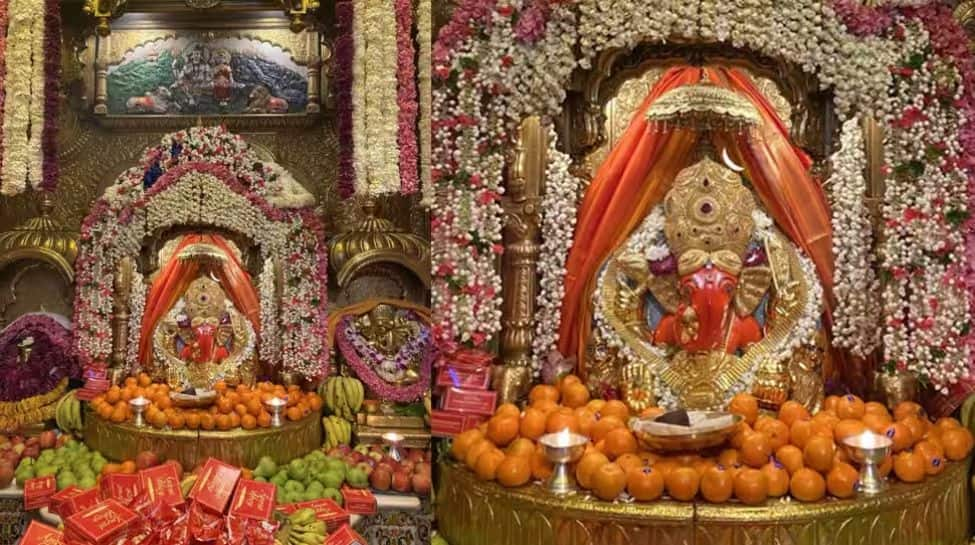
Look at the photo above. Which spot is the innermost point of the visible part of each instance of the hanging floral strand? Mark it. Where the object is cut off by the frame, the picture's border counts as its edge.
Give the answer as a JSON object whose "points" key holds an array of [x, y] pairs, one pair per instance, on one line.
{"points": [[3, 74], [17, 82], [342, 78], [406, 97], [424, 25], [52, 88]]}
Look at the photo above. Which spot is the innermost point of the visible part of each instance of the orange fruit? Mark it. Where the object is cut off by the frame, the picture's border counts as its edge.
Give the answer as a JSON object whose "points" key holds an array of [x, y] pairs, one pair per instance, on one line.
{"points": [[294, 414], [847, 428], [617, 408], [841, 480], [532, 424], [507, 409], [224, 405], [585, 418], [665, 466], [131, 382], [502, 429], [207, 422], [248, 422], [164, 402], [544, 392], [717, 484], [823, 423], [254, 406], [158, 420], [901, 435], [790, 456], [776, 431], [682, 483], [113, 395], [118, 414], [933, 455], [192, 421], [619, 441], [315, 402], [177, 421], [745, 405], [703, 465], [875, 408], [790, 411], [729, 457], [652, 412], [957, 443], [751, 486], [514, 471], [876, 423], [807, 485], [128, 466], [908, 408], [545, 405], [608, 481], [818, 453], [756, 449], [561, 419], [800, 432], [567, 380], [629, 461], [587, 466], [738, 436], [487, 463], [644, 483], [575, 395], [605, 425], [596, 405], [909, 467], [541, 467], [947, 423], [829, 404], [144, 380], [479, 447], [264, 419], [520, 447], [850, 406], [778, 478], [886, 466], [240, 409]]}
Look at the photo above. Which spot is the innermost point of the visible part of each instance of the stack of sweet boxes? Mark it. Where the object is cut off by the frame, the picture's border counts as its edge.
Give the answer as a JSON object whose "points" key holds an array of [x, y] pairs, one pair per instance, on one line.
{"points": [[465, 401]]}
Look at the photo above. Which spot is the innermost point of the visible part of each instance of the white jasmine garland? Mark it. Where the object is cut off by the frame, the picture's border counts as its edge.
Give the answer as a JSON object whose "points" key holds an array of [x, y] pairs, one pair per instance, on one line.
{"points": [[137, 308], [17, 81], [270, 336], [855, 285], [424, 37], [558, 226]]}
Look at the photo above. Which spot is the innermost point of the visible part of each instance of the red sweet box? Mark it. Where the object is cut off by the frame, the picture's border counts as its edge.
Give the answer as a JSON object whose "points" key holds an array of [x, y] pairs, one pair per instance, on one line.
{"points": [[449, 424], [161, 483], [41, 534], [76, 504], [359, 501], [103, 523], [468, 358], [215, 485], [59, 498], [38, 492], [122, 487], [346, 536], [451, 376], [253, 500], [480, 402]]}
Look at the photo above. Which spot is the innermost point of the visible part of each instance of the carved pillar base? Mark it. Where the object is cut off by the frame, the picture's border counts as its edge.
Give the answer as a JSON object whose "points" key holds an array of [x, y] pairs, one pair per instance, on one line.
{"points": [[511, 382]]}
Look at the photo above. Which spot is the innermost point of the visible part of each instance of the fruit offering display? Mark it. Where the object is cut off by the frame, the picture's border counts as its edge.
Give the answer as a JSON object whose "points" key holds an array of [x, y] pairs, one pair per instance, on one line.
{"points": [[410, 475], [312, 477], [338, 431], [71, 463], [793, 453], [67, 413], [234, 407], [15, 448], [343, 396], [303, 528]]}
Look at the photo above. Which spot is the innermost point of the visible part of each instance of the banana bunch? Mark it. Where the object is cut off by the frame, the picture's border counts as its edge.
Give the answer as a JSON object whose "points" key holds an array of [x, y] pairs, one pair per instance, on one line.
{"points": [[187, 484], [305, 529], [338, 431], [67, 413], [967, 412], [343, 396]]}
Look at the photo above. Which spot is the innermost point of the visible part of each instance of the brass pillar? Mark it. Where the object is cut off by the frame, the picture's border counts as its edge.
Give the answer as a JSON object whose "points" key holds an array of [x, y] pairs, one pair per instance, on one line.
{"points": [[518, 271], [120, 315]]}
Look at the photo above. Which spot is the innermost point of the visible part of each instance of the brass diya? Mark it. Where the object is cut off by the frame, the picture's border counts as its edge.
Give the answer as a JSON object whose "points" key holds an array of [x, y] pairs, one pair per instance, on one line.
{"points": [[690, 438]]}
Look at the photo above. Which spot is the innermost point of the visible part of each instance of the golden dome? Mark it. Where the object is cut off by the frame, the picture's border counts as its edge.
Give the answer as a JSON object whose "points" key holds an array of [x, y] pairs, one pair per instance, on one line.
{"points": [[42, 239], [378, 240]]}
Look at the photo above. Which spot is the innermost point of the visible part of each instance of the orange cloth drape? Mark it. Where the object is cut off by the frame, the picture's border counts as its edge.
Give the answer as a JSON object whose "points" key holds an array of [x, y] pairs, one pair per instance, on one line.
{"points": [[176, 276], [640, 169]]}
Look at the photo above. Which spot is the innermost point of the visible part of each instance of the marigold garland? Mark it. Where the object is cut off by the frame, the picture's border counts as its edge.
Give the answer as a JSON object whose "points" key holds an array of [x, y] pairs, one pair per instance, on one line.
{"points": [[15, 408]]}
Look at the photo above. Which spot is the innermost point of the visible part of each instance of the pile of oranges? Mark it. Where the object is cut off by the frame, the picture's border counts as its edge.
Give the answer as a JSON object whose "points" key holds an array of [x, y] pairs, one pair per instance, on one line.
{"points": [[792, 453], [234, 407]]}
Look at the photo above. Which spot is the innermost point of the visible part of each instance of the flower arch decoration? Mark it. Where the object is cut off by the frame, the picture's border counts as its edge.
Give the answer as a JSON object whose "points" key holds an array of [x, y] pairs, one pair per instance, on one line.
{"points": [[242, 195], [905, 63]]}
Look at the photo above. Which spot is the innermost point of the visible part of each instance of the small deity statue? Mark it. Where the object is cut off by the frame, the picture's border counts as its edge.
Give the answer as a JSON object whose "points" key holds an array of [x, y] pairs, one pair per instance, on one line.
{"points": [[196, 75], [223, 76], [389, 330], [706, 295]]}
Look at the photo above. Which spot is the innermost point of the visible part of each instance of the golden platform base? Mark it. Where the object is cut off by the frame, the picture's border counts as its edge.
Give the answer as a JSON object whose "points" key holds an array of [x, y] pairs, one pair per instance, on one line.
{"points": [[474, 512], [239, 447]]}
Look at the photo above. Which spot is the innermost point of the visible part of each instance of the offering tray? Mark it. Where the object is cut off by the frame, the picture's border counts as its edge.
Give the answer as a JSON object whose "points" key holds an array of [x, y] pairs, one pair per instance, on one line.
{"points": [[203, 398], [707, 429]]}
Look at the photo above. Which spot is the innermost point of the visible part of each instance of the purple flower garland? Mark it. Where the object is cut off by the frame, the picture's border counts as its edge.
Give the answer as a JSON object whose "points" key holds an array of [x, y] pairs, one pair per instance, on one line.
{"points": [[3, 70], [344, 337], [406, 98], [342, 80], [52, 90], [51, 360]]}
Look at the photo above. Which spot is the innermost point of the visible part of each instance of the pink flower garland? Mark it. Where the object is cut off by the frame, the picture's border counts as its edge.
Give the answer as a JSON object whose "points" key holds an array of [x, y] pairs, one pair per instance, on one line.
{"points": [[406, 98], [342, 78], [52, 88], [3, 69], [374, 382]]}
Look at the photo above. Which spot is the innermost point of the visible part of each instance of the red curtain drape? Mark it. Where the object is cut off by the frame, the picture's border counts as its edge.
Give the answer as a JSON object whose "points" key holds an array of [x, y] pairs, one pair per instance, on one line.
{"points": [[639, 170], [176, 276]]}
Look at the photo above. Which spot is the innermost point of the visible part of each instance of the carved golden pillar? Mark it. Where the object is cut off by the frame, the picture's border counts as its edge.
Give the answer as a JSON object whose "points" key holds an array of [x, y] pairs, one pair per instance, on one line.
{"points": [[120, 315], [518, 270], [873, 134], [315, 64], [101, 75]]}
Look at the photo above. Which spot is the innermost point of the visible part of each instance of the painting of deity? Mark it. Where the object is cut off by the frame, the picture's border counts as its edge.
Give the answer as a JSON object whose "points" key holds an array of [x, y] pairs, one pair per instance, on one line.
{"points": [[184, 75]]}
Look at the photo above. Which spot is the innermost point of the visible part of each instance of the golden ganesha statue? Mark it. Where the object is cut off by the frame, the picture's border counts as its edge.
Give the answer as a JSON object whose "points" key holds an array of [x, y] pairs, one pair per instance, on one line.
{"points": [[706, 299]]}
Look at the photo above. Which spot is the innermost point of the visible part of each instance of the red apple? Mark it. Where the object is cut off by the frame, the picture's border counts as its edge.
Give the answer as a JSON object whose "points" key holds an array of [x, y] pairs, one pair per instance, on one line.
{"points": [[335, 452], [415, 455], [17, 439], [48, 439], [422, 468], [6, 476], [421, 484], [407, 466], [31, 441], [365, 467], [32, 451], [146, 459], [401, 481], [381, 478]]}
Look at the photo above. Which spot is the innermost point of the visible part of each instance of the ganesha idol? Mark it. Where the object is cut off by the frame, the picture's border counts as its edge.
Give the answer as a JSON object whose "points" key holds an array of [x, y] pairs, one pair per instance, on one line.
{"points": [[706, 299]]}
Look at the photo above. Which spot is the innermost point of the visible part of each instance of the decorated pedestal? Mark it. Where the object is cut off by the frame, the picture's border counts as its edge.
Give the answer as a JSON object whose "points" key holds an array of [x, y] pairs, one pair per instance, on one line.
{"points": [[474, 512], [190, 447]]}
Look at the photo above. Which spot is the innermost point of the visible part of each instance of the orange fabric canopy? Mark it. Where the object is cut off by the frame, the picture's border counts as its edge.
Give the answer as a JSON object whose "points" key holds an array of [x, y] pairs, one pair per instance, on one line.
{"points": [[641, 167]]}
